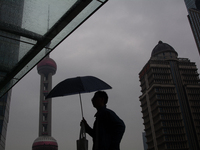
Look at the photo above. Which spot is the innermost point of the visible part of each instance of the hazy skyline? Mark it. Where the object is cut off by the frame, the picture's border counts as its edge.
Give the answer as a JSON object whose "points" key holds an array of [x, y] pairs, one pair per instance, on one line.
{"points": [[113, 45]]}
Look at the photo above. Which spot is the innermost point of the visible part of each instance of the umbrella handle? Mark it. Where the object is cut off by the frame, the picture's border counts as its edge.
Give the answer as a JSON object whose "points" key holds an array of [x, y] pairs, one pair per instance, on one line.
{"points": [[81, 105]]}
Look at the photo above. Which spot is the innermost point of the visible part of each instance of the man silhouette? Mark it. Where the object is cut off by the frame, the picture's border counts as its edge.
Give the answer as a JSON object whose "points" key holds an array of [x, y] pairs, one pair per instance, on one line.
{"points": [[108, 128]]}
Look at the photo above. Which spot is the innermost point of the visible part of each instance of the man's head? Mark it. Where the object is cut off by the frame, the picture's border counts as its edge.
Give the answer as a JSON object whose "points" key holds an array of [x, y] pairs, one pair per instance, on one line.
{"points": [[100, 99]]}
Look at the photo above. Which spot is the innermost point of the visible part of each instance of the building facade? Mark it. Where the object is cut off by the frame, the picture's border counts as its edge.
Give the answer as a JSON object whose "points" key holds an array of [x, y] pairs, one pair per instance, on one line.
{"points": [[190, 4], [4, 117], [193, 7], [144, 140], [170, 100], [46, 68], [9, 50]]}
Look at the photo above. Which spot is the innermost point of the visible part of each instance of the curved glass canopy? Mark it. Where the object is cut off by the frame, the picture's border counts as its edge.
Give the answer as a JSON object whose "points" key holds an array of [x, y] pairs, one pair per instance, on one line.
{"points": [[29, 30]]}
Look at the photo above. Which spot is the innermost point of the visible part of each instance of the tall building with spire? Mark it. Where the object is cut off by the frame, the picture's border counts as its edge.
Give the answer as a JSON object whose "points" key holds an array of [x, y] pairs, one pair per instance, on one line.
{"points": [[193, 7], [46, 68], [170, 100]]}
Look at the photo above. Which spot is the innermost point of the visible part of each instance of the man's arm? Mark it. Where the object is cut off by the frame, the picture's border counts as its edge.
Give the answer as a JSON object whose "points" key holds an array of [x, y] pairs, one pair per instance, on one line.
{"points": [[88, 129]]}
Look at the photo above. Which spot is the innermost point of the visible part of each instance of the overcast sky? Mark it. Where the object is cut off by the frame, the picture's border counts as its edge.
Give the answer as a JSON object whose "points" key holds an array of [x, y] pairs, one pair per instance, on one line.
{"points": [[113, 45]]}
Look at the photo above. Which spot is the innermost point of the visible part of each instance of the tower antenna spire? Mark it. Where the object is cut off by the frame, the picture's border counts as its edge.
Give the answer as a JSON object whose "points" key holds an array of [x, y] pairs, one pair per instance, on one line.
{"points": [[48, 19]]}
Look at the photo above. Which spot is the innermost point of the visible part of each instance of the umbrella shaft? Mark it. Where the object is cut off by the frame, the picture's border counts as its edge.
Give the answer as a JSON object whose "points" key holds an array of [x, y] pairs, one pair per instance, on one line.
{"points": [[81, 105]]}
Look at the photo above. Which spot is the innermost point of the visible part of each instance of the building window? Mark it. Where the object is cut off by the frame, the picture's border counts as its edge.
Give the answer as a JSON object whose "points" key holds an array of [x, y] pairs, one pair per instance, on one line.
{"points": [[166, 138], [158, 96], [165, 130], [157, 89], [161, 109], [163, 123]]}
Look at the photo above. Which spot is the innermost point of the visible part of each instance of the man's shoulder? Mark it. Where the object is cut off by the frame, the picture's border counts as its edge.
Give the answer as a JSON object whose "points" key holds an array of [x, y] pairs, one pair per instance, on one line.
{"points": [[113, 117], [109, 111]]}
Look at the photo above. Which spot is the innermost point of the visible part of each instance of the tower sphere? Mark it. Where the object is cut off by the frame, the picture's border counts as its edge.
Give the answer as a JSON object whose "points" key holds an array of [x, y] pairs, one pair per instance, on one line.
{"points": [[46, 66], [45, 143], [162, 47]]}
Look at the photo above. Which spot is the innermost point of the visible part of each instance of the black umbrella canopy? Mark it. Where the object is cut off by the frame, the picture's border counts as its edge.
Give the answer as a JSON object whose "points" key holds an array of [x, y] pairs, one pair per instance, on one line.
{"points": [[78, 85]]}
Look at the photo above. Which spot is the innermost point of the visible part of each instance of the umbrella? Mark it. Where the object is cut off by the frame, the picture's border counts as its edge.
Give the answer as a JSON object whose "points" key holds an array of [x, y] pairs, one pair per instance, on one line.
{"points": [[78, 85]]}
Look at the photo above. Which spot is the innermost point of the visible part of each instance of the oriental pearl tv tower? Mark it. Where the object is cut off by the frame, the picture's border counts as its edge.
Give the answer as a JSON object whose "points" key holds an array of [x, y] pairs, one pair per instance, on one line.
{"points": [[46, 68]]}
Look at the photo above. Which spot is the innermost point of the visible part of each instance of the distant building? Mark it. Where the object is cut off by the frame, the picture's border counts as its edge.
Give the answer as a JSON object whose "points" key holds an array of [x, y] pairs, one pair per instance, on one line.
{"points": [[144, 140], [4, 117], [193, 7], [170, 100], [46, 68], [11, 13]]}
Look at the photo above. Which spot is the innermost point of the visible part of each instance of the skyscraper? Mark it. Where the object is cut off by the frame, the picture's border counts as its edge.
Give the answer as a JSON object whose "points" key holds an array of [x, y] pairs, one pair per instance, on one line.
{"points": [[193, 7], [170, 100], [4, 117], [46, 68], [11, 13]]}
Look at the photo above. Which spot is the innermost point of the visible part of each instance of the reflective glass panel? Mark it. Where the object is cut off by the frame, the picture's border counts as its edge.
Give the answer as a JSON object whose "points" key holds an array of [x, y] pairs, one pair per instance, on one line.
{"points": [[30, 29]]}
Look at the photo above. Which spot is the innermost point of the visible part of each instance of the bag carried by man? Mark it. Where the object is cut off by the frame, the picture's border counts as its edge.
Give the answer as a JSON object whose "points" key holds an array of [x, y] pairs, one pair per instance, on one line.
{"points": [[82, 142]]}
